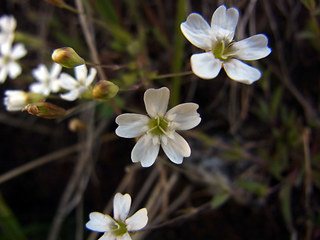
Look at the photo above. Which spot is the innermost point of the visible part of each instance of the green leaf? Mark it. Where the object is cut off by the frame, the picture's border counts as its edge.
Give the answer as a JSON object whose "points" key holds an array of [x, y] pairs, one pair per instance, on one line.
{"points": [[254, 187], [220, 198]]}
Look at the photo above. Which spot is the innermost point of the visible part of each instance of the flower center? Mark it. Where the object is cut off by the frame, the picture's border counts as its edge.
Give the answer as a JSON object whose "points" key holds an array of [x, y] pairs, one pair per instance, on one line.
{"points": [[158, 126], [119, 229], [222, 50]]}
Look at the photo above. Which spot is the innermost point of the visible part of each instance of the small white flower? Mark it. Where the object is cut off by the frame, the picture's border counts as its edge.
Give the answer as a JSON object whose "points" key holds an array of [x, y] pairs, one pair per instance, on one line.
{"points": [[221, 50], [47, 81], [15, 100], [79, 85], [159, 128], [8, 26], [8, 57], [119, 227]]}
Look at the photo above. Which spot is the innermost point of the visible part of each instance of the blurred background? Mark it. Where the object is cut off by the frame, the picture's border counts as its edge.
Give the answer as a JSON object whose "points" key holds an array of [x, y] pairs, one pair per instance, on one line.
{"points": [[254, 171]]}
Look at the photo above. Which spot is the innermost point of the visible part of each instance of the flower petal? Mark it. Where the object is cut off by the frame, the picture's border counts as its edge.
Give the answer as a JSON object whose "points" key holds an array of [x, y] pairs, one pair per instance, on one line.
{"points": [[197, 31], [100, 222], [176, 147], [18, 51], [145, 151], [91, 76], [125, 236], [241, 72], [55, 70], [39, 88], [224, 22], [251, 48], [40, 73], [184, 116], [121, 206], [14, 70], [67, 82], [3, 73], [205, 65], [131, 125], [108, 236], [138, 220], [80, 73], [70, 96], [156, 101]]}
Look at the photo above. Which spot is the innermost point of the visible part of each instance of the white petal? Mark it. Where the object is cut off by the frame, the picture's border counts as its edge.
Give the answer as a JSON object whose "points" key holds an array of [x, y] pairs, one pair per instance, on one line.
{"points": [[55, 70], [68, 82], [224, 22], [80, 73], [176, 148], [18, 51], [91, 76], [100, 222], [131, 125], [145, 151], [6, 48], [70, 96], [40, 73], [3, 73], [108, 236], [184, 116], [251, 48], [14, 70], [8, 23], [205, 65], [241, 72], [121, 206], [39, 88], [197, 31], [138, 220], [156, 101]]}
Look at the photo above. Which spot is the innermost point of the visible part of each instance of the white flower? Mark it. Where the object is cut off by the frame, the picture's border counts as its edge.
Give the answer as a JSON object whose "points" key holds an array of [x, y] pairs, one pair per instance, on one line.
{"points": [[8, 57], [47, 81], [78, 86], [221, 50], [118, 228], [159, 128], [8, 25], [15, 100]]}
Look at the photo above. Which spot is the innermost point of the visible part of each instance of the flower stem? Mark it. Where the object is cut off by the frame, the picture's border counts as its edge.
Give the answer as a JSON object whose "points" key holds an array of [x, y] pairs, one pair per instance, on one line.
{"points": [[170, 75]]}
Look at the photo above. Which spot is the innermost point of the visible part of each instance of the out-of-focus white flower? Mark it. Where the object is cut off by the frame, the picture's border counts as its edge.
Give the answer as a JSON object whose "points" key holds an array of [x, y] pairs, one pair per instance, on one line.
{"points": [[47, 81], [16, 100], [79, 85], [159, 128], [8, 60], [8, 26], [221, 50], [119, 227]]}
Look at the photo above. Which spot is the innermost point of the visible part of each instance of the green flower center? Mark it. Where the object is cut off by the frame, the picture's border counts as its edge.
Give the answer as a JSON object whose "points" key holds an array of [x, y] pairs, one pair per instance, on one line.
{"points": [[222, 50], [158, 126], [119, 229]]}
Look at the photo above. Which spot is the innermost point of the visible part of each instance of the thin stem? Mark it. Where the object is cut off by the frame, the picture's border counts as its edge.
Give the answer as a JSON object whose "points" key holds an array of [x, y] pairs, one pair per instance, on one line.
{"points": [[170, 75]]}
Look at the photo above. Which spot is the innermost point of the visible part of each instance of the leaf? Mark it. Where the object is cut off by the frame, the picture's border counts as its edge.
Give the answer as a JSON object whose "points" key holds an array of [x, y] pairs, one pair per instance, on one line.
{"points": [[220, 198]]}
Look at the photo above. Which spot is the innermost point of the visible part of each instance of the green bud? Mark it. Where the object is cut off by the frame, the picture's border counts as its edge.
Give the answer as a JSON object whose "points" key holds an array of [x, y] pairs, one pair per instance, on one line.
{"points": [[104, 90], [45, 110], [67, 57]]}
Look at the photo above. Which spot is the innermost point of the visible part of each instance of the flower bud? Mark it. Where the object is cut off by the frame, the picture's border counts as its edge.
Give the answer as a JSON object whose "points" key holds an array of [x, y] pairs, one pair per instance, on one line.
{"points": [[76, 125], [58, 3], [67, 57], [45, 110], [104, 90]]}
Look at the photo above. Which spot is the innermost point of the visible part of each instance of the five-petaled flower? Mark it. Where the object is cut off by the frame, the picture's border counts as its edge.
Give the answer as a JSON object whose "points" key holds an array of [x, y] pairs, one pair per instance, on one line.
{"points": [[77, 87], [47, 81], [8, 60], [221, 50], [159, 128], [119, 227]]}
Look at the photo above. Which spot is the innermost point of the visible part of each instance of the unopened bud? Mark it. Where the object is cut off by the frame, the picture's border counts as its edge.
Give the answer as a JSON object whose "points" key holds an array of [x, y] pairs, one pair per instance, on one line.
{"points": [[76, 125], [45, 110], [104, 90], [58, 3], [15, 100], [67, 57]]}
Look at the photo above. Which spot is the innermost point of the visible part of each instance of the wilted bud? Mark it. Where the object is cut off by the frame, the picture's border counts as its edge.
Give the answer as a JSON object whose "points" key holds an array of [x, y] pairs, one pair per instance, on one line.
{"points": [[59, 3], [76, 125], [67, 57], [104, 90], [45, 110], [16, 100]]}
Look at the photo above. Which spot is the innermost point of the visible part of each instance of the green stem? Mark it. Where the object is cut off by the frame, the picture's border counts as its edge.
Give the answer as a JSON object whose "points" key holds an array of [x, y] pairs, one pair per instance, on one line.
{"points": [[172, 75]]}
